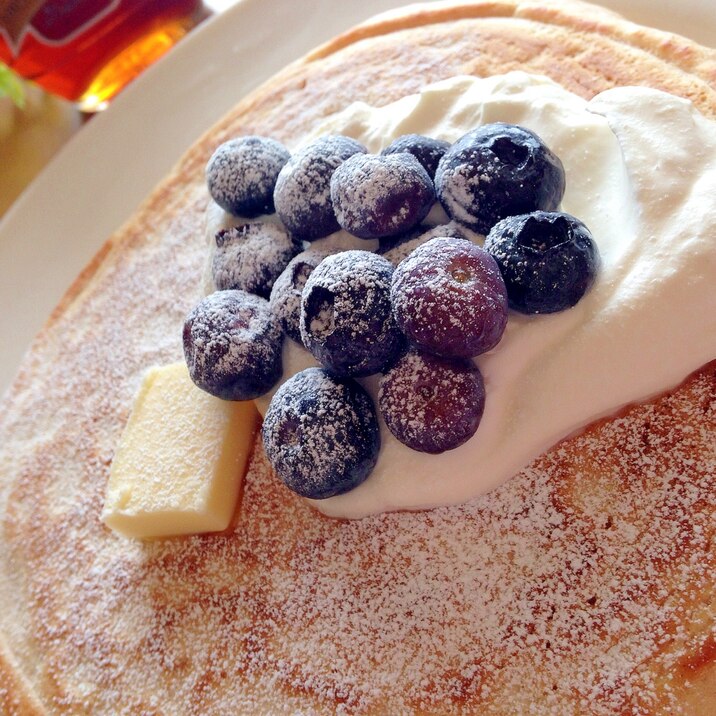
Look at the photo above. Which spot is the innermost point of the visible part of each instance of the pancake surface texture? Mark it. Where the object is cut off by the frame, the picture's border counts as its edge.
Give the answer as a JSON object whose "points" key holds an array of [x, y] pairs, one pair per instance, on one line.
{"points": [[584, 585]]}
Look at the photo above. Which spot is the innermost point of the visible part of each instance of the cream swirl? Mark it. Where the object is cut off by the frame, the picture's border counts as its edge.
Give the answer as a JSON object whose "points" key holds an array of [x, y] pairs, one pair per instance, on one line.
{"points": [[641, 174]]}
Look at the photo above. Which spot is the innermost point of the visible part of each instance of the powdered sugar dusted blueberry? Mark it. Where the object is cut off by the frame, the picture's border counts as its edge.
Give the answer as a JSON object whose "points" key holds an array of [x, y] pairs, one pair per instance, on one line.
{"points": [[320, 434], [449, 298], [251, 257], [241, 174], [427, 150], [376, 195], [303, 196], [346, 315], [285, 300], [397, 249], [232, 345], [549, 260], [432, 404], [495, 171]]}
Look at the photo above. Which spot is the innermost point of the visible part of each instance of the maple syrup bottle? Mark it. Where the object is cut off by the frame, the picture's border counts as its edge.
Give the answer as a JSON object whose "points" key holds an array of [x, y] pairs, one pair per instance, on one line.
{"points": [[88, 50]]}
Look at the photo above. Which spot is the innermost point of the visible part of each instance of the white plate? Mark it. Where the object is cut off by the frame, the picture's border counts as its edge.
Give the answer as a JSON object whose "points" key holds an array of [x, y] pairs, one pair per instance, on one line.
{"points": [[101, 175]]}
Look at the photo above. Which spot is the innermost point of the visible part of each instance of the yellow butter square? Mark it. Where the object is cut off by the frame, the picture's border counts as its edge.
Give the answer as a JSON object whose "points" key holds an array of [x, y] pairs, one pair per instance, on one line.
{"points": [[181, 459]]}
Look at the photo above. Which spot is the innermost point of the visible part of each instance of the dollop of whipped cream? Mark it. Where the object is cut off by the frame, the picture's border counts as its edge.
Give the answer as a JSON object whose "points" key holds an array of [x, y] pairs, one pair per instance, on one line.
{"points": [[641, 174]]}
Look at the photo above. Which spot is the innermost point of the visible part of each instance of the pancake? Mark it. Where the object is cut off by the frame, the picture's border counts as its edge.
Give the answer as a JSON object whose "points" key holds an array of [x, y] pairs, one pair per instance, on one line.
{"points": [[583, 585]]}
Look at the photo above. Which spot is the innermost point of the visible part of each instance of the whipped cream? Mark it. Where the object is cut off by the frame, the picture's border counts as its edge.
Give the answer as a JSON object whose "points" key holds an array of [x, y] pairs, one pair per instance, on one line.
{"points": [[641, 174]]}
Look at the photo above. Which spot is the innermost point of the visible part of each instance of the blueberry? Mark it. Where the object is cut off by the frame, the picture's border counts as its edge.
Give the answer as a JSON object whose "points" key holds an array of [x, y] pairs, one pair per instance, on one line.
{"points": [[320, 434], [495, 171], [426, 150], [285, 300], [232, 345], [250, 257], [242, 173], [376, 195], [303, 194], [549, 260], [432, 404], [346, 316], [449, 298], [395, 250]]}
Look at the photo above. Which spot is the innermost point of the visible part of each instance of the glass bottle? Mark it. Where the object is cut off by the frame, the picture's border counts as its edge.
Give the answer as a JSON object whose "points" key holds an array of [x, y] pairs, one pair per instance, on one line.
{"points": [[88, 50]]}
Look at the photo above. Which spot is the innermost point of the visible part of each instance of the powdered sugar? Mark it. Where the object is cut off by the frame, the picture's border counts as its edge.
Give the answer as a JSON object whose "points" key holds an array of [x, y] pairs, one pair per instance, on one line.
{"points": [[285, 297], [498, 170], [427, 150], [232, 345], [396, 251], [251, 256], [321, 434], [549, 586], [449, 298], [375, 196], [432, 404], [346, 313], [302, 195], [242, 172]]}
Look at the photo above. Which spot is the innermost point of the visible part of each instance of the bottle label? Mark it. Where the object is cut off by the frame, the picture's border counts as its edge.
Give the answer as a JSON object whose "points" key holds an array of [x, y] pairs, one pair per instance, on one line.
{"points": [[50, 22]]}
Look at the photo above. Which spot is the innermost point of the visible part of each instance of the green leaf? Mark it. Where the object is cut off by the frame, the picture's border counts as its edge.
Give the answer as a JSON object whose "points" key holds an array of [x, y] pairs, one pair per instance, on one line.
{"points": [[11, 86]]}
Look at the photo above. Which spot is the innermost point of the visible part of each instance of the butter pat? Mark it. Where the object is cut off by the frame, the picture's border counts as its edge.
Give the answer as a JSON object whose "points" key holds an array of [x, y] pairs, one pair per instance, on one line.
{"points": [[181, 459]]}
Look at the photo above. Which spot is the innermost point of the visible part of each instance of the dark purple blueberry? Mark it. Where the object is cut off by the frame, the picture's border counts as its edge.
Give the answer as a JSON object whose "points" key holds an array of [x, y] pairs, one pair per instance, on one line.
{"points": [[241, 174], [303, 188], [285, 300], [320, 434], [495, 171], [426, 150], [549, 260], [346, 316], [232, 345], [449, 298], [251, 257], [376, 195], [398, 249], [432, 404]]}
